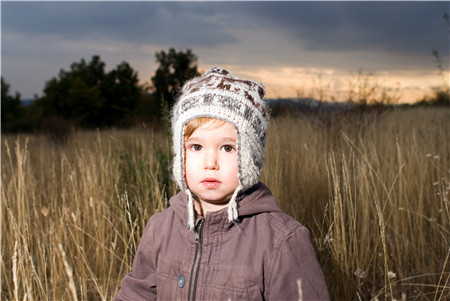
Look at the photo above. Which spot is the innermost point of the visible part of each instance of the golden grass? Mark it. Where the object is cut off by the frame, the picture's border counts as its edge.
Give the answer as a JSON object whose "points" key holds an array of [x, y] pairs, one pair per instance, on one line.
{"points": [[372, 187]]}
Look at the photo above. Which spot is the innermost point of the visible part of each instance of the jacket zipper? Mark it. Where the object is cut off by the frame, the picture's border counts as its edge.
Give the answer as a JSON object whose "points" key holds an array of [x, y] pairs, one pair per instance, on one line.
{"points": [[196, 265]]}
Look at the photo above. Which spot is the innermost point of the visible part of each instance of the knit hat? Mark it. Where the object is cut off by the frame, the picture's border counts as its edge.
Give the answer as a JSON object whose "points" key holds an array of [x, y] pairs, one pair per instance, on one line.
{"points": [[220, 95]]}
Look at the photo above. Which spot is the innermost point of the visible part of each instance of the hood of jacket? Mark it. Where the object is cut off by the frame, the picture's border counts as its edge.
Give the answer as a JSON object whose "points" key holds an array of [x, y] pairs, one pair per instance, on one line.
{"points": [[255, 200]]}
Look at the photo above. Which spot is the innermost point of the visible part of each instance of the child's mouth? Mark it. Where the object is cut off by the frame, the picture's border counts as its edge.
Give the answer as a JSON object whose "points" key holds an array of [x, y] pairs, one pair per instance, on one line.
{"points": [[210, 183]]}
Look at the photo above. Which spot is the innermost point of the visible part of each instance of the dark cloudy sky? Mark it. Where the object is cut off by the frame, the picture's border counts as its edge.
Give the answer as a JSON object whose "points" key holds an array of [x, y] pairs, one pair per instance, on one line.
{"points": [[292, 47]]}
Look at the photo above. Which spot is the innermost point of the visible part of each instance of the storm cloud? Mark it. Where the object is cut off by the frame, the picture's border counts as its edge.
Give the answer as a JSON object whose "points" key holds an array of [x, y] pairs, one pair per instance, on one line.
{"points": [[38, 38]]}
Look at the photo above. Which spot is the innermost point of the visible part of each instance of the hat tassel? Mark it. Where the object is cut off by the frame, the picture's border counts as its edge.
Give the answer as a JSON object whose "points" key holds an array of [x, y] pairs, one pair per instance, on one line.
{"points": [[191, 217], [232, 206]]}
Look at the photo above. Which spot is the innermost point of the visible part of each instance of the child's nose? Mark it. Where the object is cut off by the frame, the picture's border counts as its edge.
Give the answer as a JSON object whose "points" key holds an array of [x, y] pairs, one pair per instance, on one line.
{"points": [[211, 160]]}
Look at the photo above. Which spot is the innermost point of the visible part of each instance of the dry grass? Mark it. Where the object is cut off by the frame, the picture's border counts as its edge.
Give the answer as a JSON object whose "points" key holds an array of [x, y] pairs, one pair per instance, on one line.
{"points": [[73, 213], [372, 187]]}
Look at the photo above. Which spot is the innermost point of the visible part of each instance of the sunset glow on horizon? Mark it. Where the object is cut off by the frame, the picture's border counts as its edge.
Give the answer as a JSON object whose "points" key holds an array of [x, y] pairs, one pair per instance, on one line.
{"points": [[335, 86], [332, 85]]}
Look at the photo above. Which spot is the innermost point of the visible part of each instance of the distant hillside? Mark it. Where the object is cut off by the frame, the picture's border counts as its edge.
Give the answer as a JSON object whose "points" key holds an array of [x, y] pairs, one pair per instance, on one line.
{"points": [[27, 102], [298, 103], [290, 102], [309, 103]]}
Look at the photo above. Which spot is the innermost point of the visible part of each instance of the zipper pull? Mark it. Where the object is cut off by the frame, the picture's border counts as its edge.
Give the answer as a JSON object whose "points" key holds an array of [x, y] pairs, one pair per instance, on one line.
{"points": [[197, 237], [198, 231]]}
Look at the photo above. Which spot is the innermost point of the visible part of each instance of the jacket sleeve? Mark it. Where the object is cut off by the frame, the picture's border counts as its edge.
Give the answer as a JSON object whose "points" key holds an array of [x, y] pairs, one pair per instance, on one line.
{"points": [[296, 273], [140, 284]]}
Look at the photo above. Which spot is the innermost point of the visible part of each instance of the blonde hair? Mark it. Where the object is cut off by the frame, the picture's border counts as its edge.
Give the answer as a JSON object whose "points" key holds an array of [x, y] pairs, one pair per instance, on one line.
{"points": [[194, 124]]}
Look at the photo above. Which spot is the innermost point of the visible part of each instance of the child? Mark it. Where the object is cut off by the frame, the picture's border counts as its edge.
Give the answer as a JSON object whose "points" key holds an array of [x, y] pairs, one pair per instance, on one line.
{"points": [[223, 236]]}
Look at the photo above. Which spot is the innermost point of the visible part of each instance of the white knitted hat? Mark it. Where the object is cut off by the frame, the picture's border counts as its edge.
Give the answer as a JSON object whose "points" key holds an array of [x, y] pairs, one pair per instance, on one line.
{"points": [[220, 95]]}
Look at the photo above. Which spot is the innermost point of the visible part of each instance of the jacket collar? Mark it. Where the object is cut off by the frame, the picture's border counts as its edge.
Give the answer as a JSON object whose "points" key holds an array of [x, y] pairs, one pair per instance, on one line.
{"points": [[255, 200]]}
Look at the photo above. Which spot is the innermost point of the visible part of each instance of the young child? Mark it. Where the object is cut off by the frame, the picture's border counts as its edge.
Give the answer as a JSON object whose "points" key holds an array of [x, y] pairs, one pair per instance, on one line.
{"points": [[223, 236]]}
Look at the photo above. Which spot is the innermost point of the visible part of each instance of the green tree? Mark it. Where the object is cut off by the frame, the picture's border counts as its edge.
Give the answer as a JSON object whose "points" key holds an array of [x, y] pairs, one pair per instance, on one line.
{"points": [[12, 109], [122, 91], [175, 68], [75, 94], [87, 96], [83, 103]]}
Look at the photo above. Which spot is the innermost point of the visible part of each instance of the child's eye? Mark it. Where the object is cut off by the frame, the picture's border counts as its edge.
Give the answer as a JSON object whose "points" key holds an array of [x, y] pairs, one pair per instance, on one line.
{"points": [[196, 147], [227, 148]]}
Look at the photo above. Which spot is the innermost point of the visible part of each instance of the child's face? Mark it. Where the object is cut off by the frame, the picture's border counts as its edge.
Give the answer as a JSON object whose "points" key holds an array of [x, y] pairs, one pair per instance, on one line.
{"points": [[212, 162]]}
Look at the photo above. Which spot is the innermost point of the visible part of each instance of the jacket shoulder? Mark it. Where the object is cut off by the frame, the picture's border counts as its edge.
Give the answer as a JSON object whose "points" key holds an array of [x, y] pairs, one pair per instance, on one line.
{"points": [[285, 223], [162, 218]]}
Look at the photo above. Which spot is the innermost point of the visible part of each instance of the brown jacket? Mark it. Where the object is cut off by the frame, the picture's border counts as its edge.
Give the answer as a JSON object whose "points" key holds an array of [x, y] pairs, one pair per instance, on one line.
{"points": [[267, 256]]}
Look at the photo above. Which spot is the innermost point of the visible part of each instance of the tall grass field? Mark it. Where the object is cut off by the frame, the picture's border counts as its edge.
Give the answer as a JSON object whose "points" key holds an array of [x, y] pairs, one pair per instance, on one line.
{"points": [[371, 186]]}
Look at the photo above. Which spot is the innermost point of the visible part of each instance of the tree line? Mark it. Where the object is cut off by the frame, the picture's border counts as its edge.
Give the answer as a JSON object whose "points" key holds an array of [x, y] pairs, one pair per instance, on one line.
{"points": [[86, 96]]}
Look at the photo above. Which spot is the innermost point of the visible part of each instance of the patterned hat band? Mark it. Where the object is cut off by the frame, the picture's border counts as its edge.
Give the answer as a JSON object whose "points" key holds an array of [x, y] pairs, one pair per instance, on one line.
{"points": [[218, 94]]}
